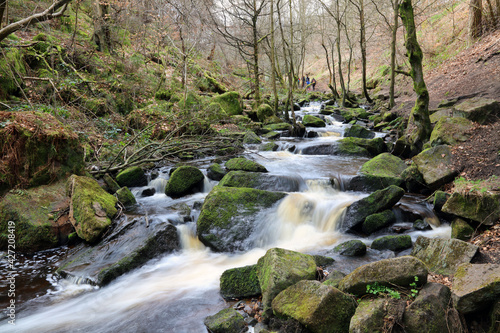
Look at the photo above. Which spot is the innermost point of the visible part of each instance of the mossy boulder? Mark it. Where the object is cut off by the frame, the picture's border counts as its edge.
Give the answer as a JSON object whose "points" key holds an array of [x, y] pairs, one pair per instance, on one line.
{"points": [[225, 321], [216, 171], [251, 138], [277, 127], [278, 269], [353, 113], [273, 135], [380, 172], [376, 315], [264, 111], [260, 181], [184, 180], [479, 109], [360, 147], [126, 197], [131, 177], [377, 221], [11, 61], [270, 146], [320, 308], [441, 113], [461, 230], [312, 121], [393, 243], [240, 282], [399, 271], [92, 207], [436, 165], [376, 202], [443, 256], [451, 131], [480, 207], [334, 278], [228, 216], [111, 183], [244, 164], [352, 248], [440, 199], [475, 287], [359, 131], [230, 102]]}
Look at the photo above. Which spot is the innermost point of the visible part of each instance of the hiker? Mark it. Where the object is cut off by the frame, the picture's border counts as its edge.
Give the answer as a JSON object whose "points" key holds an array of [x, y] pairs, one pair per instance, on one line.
{"points": [[303, 81], [307, 82], [313, 82]]}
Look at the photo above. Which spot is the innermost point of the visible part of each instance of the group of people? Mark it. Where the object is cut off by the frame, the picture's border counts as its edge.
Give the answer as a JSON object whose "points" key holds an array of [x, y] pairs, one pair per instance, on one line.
{"points": [[306, 83]]}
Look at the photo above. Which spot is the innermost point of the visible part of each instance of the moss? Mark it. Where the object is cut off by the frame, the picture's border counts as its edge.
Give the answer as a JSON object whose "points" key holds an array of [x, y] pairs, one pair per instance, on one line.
{"points": [[11, 62], [216, 171], [133, 176], [361, 147], [359, 131], [251, 138], [125, 197], [479, 207], [184, 180], [278, 127], [312, 121], [264, 111], [244, 164], [461, 230], [352, 248], [377, 221], [225, 321], [240, 282], [270, 146], [393, 243], [230, 102], [450, 131]]}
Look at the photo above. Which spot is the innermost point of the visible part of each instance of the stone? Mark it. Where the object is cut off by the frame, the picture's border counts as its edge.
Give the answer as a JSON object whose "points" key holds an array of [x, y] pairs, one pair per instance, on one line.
{"points": [[240, 282], [216, 172], [183, 181], [400, 271], [277, 127], [440, 199], [111, 183], [273, 135], [359, 131], [480, 207], [377, 315], [442, 113], [323, 261], [451, 131], [264, 111], [461, 230], [225, 321], [312, 121], [334, 278], [244, 164], [132, 177], [320, 308], [230, 102], [443, 256], [251, 138], [352, 248], [475, 287], [378, 173], [148, 192], [436, 165], [270, 146], [479, 109], [125, 197], [377, 221], [261, 181], [361, 147], [393, 243]]}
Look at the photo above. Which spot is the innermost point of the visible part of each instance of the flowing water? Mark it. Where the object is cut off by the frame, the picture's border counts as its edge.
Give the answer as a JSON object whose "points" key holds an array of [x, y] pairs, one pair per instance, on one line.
{"points": [[176, 292]]}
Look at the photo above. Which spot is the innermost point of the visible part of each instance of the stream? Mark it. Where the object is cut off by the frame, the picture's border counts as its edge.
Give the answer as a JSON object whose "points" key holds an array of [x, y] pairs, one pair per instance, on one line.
{"points": [[174, 293]]}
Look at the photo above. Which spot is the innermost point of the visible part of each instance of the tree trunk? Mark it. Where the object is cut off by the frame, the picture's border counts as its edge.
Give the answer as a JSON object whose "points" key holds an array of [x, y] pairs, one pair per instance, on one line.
{"points": [[475, 19], [341, 77], [3, 6], [393, 53], [256, 53], [362, 45], [419, 128], [102, 34], [273, 61]]}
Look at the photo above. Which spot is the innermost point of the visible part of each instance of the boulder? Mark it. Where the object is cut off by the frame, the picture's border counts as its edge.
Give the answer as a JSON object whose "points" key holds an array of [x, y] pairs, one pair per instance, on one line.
{"points": [[260, 181], [277, 127], [361, 147], [125, 197], [111, 183], [353, 113], [461, 230], [183, 181], [378, 173], [377, 221], [273, 135], [251, 138], [480, 207], [320, 308], [270, 146], [475, 287], [333, 279], [244, 164], [228, 216], [278, 269], [399, 271], [442, 113], [323, 260], [225, 321], [131, 177], [359, 131], [216, 171], [376, 202], [451, 131], [393, 243], [312, 121], [240, 282], [443, 256], [440, 199], [352, 248], [478, 109], [436, 165], [264, 111], [230, 102], [377, 315]]}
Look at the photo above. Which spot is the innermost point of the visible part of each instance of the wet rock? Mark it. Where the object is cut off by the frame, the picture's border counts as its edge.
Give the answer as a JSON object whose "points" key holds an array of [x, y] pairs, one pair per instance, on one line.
{"points": [[278, 127], [270, 146], [273, 135], [413, 180], [312, 134], [125, 197], [260, 181], [183, 181], [377, 221], [440, 199], [353, 113], [131, 177], [312, 121], [399, 271], [334, 278], [225, 321], [320, 308], [480, 207], [443, 256], [478, 109], [323, 260], [264, 111], [278, 269], [361, 147], [251, 138], [359, 131], [393, 243], [436, 165], [352, 248], [244, 164], [450, 131], [148, 192], [229, 216], [230, 102], [240, 282], [377, 315], [378, 173], [461, 230], [216, 171], [475, 287], [421, 225], [111, 183]]}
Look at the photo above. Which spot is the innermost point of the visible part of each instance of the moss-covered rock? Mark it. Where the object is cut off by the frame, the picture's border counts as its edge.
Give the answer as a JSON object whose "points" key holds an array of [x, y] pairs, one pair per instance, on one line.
{"points": [[334, 278], [244, 164], [320, 308], [133, 176], [230, 102], [393, 243], [184, 180], [273, 135], [378, 173], [216, 171], [443, 256], [440, 199], [228, 216], [480, 207], [399, 271], [312, 121], [376, 315], [461, 230], [436, 165], [240, 282], [251, 138], [352, 248], [359, 131], [278, 269], [125, 197], [111, 183], [450, 131], [264, 111], [353, 113], [225, 321], [377, 221], [92, 207], [361, 147], [260, 181], [479, 109], [277, 127]]}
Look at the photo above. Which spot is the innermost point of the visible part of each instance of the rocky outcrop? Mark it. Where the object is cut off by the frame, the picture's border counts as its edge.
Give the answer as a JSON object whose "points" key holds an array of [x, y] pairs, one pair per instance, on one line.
{"points": [[450, 131], [183, 181], [436, 165], [378, 173], [478, 109], [225, 321], [312, 121], [244, 164], [393, 243], [482, 207], [260, 181], [240, 282]]}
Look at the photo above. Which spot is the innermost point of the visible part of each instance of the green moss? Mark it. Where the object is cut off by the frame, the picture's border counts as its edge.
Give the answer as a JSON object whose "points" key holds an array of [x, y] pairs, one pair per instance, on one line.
{"points": [[230, 102], [133, 176], [393, 243], [184, 180], [240, 282], [225, 321], [461, 230], [377, 221], [264, 111], [312, 121], [125, 197], [361, 147], [244, 164], [278, 127]]}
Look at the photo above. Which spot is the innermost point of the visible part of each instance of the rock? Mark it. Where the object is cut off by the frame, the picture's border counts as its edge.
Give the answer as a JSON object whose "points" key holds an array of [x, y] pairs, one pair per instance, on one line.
{"points": [[183, 181], [278, 127], [495, 318], [270, 146], [377, 221], [228, 216], [352, 248], [377, 315], [480, 207], [393, 243], [359, 131], [447, 103], [400, 271], [461, 230], [264, 111], [443, 256], [323, 260], [278, 269], [421, 225], [125, 197], [450, 131], [92, 207], [251, 138], [478, 109], [131, 177], [244, 164], [273, 135], [148, 192], [260, 181], [230, 102], [443, 113], [225, 321], [353, 113], [216, 171], [376, 202], [312, 121], [334, 278], [436, 165], [240, 282], [475, 287], [320, 308], [440, 199], [378, 173], [111, 183], [361, 147]]}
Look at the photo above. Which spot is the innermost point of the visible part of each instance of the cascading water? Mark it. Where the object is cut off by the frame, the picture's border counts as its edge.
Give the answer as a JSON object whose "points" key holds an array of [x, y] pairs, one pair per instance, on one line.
{"points": [[176, 292]]}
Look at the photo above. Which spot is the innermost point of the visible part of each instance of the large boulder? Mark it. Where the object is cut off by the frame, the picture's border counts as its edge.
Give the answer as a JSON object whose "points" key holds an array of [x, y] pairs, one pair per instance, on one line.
{"points": [[392, 242], [436, 165], [229, 214], [244, 164], [260, 181], [264, 111], [230, 102], [359, 131], [461, 230], [251, 138], [482, 207], [443, 256], [361, 147], [277, 127], [441, 113], [450, 131], [320, 308], [376, 202], [378, 173], [377, 315], [184, 180], [399, 271], [133, 176], [378, 221], [312, 121], [240, 282], [479, 109], [352, 248], [278, 269], [216, 171], [225, 321], [91, 208]]}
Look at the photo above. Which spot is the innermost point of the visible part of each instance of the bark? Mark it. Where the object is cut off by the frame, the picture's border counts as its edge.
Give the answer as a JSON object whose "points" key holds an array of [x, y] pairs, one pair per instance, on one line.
{"points": [[362, 45], [256, 69], [102, 33], [3, 6], [273, 61], [393, 53], [475, 19]]}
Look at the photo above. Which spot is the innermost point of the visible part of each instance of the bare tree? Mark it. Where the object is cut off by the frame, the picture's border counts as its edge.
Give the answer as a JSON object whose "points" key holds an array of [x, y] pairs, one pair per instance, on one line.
{"points": [[475, 18]]}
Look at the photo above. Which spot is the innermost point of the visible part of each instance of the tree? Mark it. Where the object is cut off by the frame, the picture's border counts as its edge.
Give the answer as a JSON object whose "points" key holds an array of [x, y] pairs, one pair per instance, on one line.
{"points": [[475, 18], [102, 33]]}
